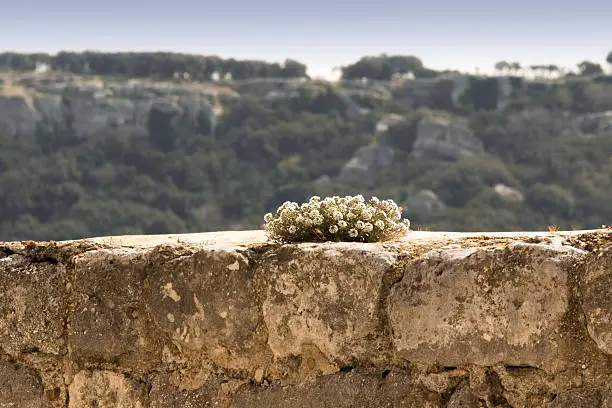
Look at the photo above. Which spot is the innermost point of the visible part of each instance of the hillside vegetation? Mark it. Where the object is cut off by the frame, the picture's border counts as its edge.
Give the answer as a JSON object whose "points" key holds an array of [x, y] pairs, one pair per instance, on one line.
{"points": [[460, 153]]}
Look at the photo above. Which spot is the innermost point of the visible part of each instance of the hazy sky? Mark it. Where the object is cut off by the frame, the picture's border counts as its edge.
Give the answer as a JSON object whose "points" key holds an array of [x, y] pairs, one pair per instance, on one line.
{"points": [[323, 34]]}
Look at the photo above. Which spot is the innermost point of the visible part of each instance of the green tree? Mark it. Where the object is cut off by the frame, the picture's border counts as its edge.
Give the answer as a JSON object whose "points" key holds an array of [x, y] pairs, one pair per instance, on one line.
{"points": [[552, 69], [515, 67], [293, 69], [551, 199], [383, 67], [502, 66], [589, 68], [160, 125], [538, 70]]}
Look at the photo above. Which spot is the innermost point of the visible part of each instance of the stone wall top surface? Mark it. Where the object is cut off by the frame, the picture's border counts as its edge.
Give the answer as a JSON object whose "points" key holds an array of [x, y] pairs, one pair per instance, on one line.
{"points": [[255, 237]]}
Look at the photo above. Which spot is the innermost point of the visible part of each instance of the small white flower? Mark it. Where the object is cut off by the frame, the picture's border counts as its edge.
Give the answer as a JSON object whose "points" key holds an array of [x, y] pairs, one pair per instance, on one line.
{"points": [[338, 215], [398, 214], [389, 206], [288, 205]]}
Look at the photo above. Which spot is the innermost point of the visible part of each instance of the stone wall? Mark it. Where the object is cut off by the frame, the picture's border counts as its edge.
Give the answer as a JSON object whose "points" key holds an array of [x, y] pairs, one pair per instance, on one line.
{"points": [[227, 320]]}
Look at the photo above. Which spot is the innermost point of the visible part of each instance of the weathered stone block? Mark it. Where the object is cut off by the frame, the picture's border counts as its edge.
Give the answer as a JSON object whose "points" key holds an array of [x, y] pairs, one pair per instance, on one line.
{"points": [[596, 297], [484, 306], [527, 386], [108, 322], [210, 302], [578, 398], [31, 305], [327, 296], [464, 398], [105, 389], [356, 389], [21, 387], [163, 394]]}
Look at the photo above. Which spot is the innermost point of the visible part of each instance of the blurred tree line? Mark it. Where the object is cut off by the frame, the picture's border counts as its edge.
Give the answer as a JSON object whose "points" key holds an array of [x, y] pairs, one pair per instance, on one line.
{"points": [[155, 65], [166, 65]]}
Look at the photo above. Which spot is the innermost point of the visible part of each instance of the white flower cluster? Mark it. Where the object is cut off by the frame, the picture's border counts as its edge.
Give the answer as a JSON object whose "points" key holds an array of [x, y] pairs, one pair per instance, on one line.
{"points": [[348, 218]]}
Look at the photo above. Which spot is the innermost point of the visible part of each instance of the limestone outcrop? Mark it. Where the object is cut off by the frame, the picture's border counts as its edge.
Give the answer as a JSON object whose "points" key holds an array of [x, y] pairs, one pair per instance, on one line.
{"points": [[229, 320], [424, 200], [441, 137], [88, 105], [367, 162], [32, 102]]}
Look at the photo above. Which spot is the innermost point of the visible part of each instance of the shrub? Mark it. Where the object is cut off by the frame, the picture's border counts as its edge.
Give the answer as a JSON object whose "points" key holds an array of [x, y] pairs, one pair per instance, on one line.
{"points": [[336, 219], [551, 199], [458, 182], [483, 94]]}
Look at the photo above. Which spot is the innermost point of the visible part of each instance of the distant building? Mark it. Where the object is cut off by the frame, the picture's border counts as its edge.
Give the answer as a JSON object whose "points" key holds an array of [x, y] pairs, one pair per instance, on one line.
{"points": [[399, 76], [42, 68]]}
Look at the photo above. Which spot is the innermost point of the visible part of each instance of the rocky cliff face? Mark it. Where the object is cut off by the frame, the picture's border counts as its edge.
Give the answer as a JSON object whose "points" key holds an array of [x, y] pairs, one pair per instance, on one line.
{"points": [[91, 104], [224, 319], [442, 137]]}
